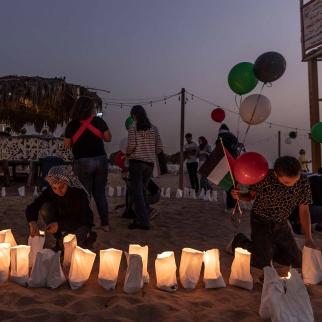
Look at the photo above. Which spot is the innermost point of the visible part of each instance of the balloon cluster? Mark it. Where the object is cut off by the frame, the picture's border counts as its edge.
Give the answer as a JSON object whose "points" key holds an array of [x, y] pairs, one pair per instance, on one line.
{"points": [[244, 77]]}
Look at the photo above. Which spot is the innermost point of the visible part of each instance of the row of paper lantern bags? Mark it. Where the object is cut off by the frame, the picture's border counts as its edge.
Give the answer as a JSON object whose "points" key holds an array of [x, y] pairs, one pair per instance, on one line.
{"points": [[35, 266]]}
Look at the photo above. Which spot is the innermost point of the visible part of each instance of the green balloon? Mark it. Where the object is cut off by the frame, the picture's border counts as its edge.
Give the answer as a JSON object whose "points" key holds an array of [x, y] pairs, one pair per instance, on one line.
{"points": [[241, 78], [316, 132], [129, 121]]}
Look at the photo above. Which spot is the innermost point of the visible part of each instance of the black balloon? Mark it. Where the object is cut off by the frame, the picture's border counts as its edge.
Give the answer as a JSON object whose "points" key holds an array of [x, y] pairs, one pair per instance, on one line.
{"points": [[292, 135], [269, 67]]}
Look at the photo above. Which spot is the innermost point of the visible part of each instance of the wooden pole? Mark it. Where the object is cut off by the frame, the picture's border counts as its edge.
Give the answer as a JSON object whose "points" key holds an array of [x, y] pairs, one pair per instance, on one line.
{"points": [[279, 143], [183, 103], [314, 110]]}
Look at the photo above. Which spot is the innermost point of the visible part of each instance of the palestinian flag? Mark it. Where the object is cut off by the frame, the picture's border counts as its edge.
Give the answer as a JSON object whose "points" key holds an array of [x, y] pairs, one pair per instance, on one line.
{"points": [[218, 167]]}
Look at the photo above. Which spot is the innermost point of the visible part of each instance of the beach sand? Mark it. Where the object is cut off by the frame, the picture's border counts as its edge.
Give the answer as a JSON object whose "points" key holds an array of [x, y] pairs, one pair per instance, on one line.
{"points": [[181, 223]]}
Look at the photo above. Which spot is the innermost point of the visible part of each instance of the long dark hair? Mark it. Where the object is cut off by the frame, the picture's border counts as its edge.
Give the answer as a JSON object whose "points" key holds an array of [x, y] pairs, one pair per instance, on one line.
{"points": [[142, 121], [83, 108]]}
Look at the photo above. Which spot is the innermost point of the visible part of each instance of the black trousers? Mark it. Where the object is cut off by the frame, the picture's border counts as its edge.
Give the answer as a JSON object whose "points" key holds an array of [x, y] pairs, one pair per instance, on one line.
{"points": [[193, 175], [270, 242]]}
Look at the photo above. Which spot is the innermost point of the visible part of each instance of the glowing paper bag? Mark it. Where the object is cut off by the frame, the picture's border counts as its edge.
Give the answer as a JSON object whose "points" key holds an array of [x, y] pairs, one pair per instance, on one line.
{"points": [[186, 193], [190, 267], [285, 299], [179, 194], [215, 196], [55, 276], [208, 196], [3, 192], [311, 265], [119, 191], [110, 260], [162, 193], [168, 193], [70, 243], [81, 267], [193, 194], [22, 191], [35, 194], [202, 194], [40, 269], [240, 270], [143, 251], [20, 264], [134, 273], [212, 275], [110, 191], [8, 237], [4, 261], [165, 269], [36, 243]]}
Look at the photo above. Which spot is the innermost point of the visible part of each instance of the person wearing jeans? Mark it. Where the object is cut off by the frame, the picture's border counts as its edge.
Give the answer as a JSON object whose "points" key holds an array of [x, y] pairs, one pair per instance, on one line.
{"points": [[144, 143], [86, 134], [93, 172], [190, 153]]}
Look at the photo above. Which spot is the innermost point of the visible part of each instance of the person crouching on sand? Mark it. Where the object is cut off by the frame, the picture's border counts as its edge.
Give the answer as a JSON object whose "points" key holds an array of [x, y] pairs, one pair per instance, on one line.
{"points": [[64, 207], [275, 198]]}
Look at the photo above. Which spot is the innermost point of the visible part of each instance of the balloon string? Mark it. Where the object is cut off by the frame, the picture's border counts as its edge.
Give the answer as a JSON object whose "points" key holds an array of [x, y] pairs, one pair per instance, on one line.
{"points": [[254, 111], [238, 119]]}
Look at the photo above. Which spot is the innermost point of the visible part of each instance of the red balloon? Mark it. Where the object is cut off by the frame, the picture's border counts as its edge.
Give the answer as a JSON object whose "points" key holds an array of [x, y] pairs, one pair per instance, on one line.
{"points": [[120, 160], [218, 115], [250, 168]]}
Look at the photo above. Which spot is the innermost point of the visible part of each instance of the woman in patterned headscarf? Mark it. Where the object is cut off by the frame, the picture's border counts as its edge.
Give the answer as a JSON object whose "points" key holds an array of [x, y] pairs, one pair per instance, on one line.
{"points": [[64, 207]]}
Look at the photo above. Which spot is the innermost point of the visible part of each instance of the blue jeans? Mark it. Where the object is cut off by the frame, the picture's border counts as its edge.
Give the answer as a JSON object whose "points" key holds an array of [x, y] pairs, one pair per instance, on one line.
{"points": [[140, 174], [92, 172]]}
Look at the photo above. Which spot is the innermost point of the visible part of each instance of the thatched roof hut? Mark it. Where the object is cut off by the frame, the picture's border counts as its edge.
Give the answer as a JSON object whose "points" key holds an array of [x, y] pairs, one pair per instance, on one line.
{"points": [[39, 101]]}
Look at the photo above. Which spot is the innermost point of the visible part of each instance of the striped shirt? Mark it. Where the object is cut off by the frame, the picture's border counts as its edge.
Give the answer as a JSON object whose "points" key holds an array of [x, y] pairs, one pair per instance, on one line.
{"points": [[144, 145]]}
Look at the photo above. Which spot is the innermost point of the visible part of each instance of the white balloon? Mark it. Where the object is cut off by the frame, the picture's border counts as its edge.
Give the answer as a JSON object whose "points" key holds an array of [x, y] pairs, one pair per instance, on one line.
{"points": [[258, 103], [123, 145], [288, 141]]}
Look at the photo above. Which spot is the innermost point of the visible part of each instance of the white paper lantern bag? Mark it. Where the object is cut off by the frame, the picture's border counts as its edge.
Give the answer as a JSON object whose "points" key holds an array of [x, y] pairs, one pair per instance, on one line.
{"points": [[55, 277], [70, 243], [208, 196], [134, 273], [110, 191], [186, 193], [162, 193], [212, 275], [285, 299], [215, 196], [110, 260], [311, 265], [80, 267], [40, 269], [143, 251], [240, 270], [166, 269], [8, 237], [22, 191], [179, 194], [36, 243], [168, 193], [123, 191], [119, 191], [4, 261], [3, 192], [193, 194], [202, 194], [35, 194], [190, 267], [20, 264]]}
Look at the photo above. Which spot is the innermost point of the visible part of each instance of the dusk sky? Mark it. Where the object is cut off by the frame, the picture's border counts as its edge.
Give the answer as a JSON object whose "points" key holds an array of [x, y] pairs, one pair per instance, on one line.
{"points": [[148, 48]]}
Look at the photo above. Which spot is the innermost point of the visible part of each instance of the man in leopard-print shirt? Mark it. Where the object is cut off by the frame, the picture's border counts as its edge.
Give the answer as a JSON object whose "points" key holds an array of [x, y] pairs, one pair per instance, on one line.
{"points": [[275, 198]]}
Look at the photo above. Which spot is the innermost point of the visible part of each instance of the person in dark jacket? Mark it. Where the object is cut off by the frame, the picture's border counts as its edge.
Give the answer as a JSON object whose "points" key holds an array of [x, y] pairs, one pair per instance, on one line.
{"points": [[230, 142], [64, 207]]}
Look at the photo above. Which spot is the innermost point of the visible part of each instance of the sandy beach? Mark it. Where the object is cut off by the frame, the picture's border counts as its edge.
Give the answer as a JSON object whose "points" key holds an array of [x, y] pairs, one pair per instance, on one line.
{"points": [[181, 223]]}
